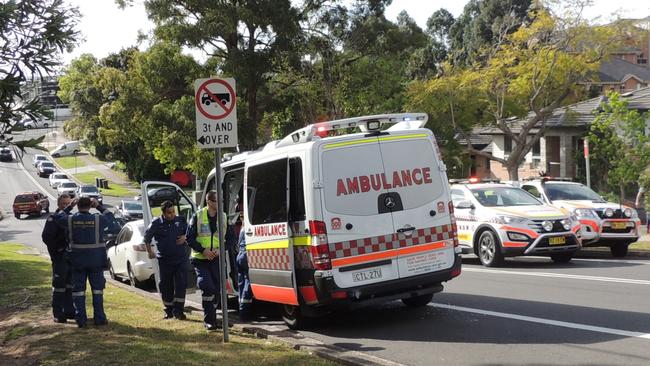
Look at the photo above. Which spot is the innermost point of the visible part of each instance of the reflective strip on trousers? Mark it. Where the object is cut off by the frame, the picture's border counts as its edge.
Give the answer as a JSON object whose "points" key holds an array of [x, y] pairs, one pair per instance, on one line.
{"points": [[168, 303], [207, 298], [87, 246], [98, 292], [54, 289], [246, 301], [78, 293], [178, 299]]}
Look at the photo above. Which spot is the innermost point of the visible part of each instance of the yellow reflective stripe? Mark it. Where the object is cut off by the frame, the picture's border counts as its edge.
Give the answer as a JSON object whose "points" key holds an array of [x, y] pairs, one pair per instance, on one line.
{"points": [[386, 138], [279, 244], [301, 241]]}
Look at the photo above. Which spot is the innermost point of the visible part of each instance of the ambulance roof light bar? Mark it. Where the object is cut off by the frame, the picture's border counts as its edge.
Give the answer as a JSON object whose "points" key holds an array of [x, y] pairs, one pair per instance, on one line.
{"points": [[365, 124]]}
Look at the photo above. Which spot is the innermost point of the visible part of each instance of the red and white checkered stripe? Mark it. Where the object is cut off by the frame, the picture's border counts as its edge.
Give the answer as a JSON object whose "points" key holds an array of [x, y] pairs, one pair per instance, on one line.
{"points": [[387, 242], [275, 259]]}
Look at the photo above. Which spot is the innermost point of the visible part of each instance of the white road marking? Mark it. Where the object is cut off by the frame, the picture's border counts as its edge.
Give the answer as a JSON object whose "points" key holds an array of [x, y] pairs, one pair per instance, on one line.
{"points": [[560, 275], [556, 323]]}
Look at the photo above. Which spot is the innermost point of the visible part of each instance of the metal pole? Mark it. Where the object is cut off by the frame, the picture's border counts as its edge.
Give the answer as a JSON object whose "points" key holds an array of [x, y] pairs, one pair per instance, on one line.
{"points": [[586, 143], [222, 244]]}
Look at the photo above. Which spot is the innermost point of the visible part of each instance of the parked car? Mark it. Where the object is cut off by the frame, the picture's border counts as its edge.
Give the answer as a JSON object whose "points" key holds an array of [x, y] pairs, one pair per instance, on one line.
{"points": [[30, 203], [68, 187], [127, 255], [5, 154], [158, 195], [45, 168], [130, 210], [91, 191], [56, 178], [39, 123], [38, 158], [66, 149]]}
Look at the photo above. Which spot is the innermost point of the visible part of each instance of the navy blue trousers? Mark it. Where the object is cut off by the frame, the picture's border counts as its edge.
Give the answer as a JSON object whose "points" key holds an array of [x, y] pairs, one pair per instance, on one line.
{"points": [[173, 285], [94, 275], [244, 284], [207, 279], [62, 306]]}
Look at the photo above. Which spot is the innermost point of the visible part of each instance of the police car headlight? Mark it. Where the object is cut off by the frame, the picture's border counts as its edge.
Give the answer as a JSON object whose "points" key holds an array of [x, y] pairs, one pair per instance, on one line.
{"points": [[547, 225], [584, 213], [609, 212], [628, 212], [566, 224], [504, 219]]}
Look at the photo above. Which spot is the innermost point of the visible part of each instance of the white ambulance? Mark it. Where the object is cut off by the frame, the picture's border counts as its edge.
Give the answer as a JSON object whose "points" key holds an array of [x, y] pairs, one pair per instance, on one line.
{"points": [[334, 218]]}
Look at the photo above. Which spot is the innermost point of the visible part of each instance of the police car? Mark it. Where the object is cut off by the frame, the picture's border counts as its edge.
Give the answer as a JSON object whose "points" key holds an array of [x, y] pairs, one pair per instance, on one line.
{"points": [[604, 223], [497, 220]]}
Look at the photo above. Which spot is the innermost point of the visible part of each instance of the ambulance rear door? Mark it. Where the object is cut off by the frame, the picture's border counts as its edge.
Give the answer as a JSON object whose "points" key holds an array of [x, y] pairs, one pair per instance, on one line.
{"points": [[418, 198], [270, 252], [360, 229]]}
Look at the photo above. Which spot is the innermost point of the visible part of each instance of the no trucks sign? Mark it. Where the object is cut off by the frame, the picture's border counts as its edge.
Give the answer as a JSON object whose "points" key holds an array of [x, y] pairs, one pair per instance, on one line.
{"points": [[216, 113]]}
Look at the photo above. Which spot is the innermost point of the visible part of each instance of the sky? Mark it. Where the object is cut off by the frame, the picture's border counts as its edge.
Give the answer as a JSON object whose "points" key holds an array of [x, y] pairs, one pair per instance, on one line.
{"points": [[107, 29]]}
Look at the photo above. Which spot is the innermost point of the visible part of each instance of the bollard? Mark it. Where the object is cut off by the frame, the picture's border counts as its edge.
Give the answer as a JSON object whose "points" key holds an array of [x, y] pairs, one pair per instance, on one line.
{"points": [[98, 183], [104, 183]]}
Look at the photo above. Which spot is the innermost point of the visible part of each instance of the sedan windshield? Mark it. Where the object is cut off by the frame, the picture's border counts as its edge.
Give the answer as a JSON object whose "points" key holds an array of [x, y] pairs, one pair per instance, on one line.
{"points": [[69, 185], [60, 176], [132, 206], [503, 197], [577, 192], [89, 189], [47, 165]]}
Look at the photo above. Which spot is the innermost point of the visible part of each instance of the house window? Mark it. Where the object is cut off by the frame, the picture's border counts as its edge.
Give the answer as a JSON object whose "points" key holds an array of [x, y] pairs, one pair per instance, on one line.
{"points": [[641, 60], [537, 155], [507, 146]]}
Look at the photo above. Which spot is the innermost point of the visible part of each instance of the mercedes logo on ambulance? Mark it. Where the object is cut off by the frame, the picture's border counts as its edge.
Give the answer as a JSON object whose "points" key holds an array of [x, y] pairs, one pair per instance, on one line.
{"points": [[389, 202]]}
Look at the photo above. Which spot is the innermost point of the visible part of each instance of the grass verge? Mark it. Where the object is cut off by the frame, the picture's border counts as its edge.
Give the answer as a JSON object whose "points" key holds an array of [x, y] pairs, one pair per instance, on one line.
{"points": [[136, 333], [640, 245], [68, 162], [113, 190]]}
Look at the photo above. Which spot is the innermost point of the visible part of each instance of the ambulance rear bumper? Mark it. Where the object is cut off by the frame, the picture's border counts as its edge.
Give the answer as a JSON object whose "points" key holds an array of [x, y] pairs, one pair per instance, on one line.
{"points": [[354, 297]]}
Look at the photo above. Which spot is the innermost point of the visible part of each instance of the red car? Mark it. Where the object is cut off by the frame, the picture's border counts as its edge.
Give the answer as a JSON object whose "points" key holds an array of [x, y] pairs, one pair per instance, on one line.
{"points": [[30, 203]]}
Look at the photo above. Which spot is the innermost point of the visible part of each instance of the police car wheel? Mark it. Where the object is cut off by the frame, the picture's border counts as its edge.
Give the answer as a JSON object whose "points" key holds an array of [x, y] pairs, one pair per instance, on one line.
{"points": [[562, 257], [619, 250], [292, 316], [489, 250], [418, 301]]}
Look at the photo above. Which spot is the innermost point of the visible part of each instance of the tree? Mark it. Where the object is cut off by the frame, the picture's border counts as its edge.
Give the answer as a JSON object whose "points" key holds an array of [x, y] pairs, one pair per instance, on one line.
{"points": [[619, 145], [34, 32]]}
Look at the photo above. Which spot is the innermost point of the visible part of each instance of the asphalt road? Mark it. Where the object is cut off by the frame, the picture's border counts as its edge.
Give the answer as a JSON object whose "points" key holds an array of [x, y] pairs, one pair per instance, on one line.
{"points": [[592, 311]]}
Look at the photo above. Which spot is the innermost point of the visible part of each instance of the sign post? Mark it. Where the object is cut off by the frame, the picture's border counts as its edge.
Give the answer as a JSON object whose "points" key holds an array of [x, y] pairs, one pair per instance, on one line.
{"points": [[216, 127], [586, 151]]}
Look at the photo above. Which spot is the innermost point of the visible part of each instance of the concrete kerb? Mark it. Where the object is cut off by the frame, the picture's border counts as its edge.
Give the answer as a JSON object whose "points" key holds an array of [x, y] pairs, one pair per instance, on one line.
{"points": [[293, 339]]}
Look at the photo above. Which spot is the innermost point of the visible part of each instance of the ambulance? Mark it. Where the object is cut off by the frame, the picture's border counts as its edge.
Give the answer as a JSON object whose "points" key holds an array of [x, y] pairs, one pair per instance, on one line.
{"points": [[604, 223], [497, 220], [344, 213]]}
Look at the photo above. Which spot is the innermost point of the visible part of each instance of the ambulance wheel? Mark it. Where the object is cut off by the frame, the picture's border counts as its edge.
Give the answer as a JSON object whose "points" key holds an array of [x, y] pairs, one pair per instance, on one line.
{"points": [[292, 316], [562, 257], [418, 301], [132, 280], [619, 250], [489, 249]]}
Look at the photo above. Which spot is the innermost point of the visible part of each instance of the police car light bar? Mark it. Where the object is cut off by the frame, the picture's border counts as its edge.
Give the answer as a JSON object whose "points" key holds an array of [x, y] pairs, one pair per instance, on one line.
{"points": [[365, 124]]}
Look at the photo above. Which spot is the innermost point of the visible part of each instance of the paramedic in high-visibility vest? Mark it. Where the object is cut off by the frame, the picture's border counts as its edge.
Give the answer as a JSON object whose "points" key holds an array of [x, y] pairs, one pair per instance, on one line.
{"points": [[87, 252], [203, 238]]}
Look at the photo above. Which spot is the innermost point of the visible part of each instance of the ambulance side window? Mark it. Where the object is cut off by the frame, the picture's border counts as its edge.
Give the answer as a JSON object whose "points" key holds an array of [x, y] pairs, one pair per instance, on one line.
{"points": [[296, 191], [269, 182]]}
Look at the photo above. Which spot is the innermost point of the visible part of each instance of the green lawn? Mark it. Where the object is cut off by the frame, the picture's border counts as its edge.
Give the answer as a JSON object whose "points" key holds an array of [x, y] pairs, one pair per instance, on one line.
{"points": [[68, 162], [113, 190], [136, 334], [641, 245]]}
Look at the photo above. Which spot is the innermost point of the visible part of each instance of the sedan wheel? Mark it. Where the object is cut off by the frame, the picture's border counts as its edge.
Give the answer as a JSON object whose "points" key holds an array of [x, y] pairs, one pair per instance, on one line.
{"points": [[111, 271], [489, 251], [134, 281]]}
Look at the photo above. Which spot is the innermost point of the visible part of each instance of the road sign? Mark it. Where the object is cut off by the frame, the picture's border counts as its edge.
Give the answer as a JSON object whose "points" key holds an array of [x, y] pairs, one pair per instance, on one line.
{"points": [[216, 113]]}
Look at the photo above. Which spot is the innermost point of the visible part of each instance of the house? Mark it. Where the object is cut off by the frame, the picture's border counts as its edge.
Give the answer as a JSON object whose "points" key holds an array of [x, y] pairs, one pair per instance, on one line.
{"points": [[555, 153], [45, 90]]}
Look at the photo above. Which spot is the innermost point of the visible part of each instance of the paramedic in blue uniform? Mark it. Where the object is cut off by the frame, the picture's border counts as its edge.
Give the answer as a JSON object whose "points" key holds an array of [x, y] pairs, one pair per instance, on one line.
{"points": [[203, 238], [169, 232], [88, 256], [56, 241], [244, 283]]}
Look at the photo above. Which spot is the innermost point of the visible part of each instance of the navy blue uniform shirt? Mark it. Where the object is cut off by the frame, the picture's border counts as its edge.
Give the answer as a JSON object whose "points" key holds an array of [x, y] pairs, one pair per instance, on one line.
{"points": [[166, 232]]}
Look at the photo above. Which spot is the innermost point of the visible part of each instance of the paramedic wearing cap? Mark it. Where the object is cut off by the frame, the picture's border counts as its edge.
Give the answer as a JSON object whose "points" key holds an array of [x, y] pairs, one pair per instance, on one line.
{"points": [[169, 232], [88, 256], [203, 238]]}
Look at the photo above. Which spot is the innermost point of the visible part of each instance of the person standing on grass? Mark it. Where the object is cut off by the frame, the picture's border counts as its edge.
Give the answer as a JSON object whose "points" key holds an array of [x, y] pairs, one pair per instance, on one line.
{"points": [[203, 238], [169, 232], [87, 253], [55, 239]]}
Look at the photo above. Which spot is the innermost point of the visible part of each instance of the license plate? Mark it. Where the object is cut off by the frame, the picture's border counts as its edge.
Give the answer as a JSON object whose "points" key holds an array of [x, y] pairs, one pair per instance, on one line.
{"points": [[619, 225], [368, 275], [558, 240]]}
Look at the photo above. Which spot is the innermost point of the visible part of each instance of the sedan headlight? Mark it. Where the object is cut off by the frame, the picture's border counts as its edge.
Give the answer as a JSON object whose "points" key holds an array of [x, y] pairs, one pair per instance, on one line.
{"points": [[609, 212], [566, 224], [585, 213], [547, 225]]}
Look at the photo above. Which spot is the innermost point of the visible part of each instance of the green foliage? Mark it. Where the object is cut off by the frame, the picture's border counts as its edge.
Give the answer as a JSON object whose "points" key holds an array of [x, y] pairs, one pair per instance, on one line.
{"points": [[34, 32]]}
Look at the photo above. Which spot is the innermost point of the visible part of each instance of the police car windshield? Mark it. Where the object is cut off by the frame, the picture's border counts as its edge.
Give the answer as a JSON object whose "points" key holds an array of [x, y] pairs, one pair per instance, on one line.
{"points": [[503, 197], [564, 191]]}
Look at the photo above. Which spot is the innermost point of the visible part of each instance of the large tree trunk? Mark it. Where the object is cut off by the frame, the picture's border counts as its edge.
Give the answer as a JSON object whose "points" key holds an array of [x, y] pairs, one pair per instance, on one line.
{"points": [[513, 171]]}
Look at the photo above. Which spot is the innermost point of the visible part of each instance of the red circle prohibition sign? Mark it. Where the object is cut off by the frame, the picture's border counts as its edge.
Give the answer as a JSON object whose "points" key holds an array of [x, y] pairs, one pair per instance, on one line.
{"points": [[214, 99]]}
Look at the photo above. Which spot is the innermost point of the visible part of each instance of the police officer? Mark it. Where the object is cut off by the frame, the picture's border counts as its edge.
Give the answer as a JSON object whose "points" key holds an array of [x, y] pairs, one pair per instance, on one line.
{"points": [[55, 239], [203, 238], [169, 232], [88, 256], [244, 282]]}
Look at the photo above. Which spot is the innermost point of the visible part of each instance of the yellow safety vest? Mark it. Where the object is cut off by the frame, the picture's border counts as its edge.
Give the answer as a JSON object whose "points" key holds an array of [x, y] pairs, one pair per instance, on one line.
{"points": [[203, 233]]}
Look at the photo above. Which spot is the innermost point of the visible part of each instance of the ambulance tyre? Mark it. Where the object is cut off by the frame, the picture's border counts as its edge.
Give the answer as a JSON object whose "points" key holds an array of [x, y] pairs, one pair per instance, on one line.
{"points": [[292, 316], [619, 250], [489, 249], [417, 301]]}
